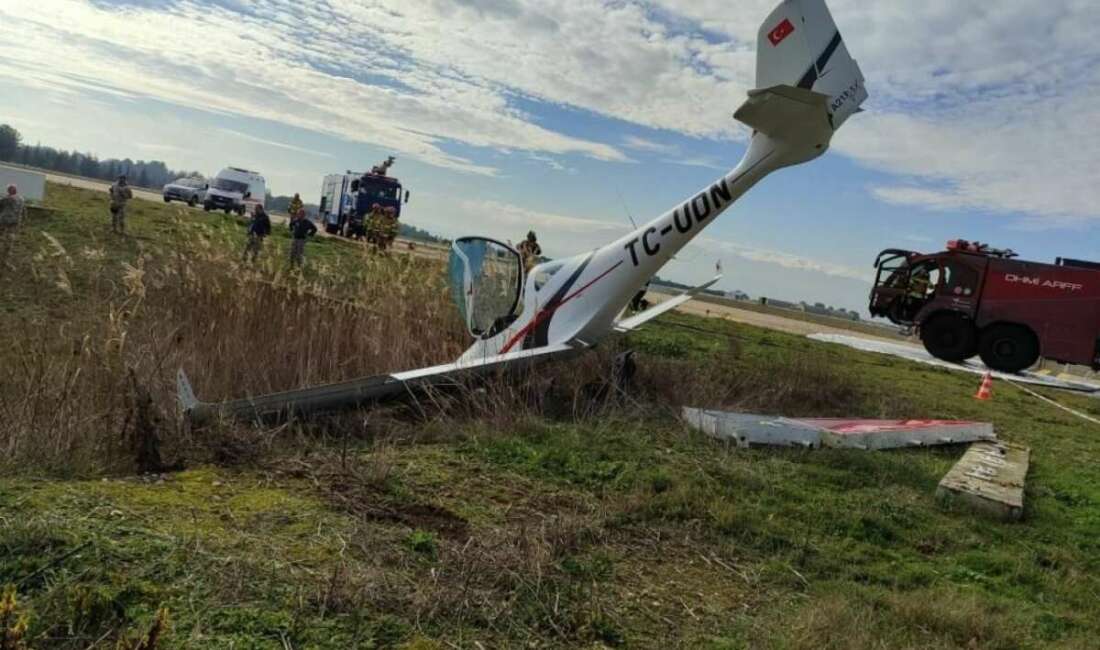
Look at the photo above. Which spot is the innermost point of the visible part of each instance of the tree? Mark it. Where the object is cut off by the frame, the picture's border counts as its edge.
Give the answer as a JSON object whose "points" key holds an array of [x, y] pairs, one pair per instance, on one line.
{"points": [[9, 142]]}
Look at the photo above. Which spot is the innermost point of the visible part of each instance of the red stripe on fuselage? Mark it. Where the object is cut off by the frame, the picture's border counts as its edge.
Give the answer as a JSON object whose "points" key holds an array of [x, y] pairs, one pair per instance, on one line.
{"points": [[549, 311]]}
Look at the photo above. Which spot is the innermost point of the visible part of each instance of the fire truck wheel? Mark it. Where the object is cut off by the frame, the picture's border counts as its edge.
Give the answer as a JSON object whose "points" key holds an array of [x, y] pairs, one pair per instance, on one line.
{"points": [[1008, 348], [949, 337]]}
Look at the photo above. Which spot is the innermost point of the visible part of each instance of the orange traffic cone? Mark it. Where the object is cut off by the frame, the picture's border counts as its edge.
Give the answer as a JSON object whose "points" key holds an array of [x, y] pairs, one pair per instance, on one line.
{"points": [[985, 391]]}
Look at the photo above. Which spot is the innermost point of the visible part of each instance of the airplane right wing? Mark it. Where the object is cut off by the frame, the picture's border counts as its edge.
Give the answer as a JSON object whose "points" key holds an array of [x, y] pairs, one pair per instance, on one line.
{"points": [[634, 322], [361, 391]]}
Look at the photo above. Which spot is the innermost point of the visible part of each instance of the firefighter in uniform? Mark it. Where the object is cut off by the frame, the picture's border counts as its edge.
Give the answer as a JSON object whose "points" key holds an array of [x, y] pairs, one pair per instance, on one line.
{"points": [[295, 204], [390, 227], [11, 215], [919, 283], [120, 195], [374, 226], [530, 250]]}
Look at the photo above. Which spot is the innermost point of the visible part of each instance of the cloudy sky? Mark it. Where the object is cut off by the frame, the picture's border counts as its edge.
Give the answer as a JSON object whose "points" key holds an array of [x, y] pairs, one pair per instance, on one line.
{"points": [[567, 116]]}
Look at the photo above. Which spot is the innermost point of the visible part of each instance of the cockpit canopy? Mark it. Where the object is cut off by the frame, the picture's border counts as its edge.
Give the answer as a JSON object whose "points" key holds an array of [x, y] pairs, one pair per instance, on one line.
{"points": [[486, 282]]}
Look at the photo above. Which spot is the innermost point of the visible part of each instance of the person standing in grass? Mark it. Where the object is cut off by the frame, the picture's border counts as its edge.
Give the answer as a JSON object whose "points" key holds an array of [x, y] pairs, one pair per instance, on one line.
{"points": [[12, 210], [301, 229], [295, 205], [390, 228], [258, 230], [374, 226], [120, 195]]}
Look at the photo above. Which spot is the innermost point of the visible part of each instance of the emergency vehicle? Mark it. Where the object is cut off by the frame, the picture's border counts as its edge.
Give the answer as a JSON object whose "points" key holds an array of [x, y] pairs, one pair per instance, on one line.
{"points": [[235, 190], [343, 195], [972, 299]]}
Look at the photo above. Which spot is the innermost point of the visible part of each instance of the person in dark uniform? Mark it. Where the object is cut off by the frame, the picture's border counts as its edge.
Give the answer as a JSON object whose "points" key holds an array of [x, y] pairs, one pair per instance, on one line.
{"points": [[258, 230], [301, 229]]}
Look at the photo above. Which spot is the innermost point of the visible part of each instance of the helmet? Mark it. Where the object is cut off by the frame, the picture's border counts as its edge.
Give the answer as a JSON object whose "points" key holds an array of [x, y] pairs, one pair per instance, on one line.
{"points": [[531, 235]]}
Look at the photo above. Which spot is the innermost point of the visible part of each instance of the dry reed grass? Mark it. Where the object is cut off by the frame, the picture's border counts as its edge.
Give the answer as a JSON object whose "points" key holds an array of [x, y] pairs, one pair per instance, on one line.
{"points": [[95, 392], [71, 392]]}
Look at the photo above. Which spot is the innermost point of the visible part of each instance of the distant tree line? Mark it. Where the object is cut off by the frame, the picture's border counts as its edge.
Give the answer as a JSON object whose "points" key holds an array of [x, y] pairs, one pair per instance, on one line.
{"points": [[142, 173]]}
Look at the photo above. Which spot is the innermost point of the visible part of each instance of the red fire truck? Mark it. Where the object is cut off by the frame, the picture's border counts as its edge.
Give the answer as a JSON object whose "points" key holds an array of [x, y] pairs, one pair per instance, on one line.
{"points": [[972, 299]]}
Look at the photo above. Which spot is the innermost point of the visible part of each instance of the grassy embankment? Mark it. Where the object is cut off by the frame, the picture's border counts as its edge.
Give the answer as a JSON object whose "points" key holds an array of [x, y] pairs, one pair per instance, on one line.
{"points": [[508, 517]]}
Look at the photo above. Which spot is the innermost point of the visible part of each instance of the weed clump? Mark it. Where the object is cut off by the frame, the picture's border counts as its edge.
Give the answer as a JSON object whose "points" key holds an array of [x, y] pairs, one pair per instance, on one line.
{"points": [[13, 623]]}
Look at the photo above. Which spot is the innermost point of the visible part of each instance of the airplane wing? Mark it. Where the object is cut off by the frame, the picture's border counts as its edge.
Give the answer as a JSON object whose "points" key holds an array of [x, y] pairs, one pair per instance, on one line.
{"points": [[361, 391], [634, 322]]}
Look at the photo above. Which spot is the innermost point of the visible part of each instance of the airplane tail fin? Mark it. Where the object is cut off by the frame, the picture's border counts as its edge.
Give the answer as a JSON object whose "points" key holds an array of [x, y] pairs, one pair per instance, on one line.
{"points": [[804, 70]]}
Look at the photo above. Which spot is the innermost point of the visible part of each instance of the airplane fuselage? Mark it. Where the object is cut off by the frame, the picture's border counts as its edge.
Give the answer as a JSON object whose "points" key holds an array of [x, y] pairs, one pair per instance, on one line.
{"points": [[585, 294]]}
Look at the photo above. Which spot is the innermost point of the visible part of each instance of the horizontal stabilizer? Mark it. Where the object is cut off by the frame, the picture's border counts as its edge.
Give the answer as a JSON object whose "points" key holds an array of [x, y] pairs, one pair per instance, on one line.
{"points": [[634, 322], [786, 112]]}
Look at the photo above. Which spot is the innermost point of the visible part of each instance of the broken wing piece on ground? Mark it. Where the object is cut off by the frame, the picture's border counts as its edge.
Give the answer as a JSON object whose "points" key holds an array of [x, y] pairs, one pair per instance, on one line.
{"points": [[361, 391], [807, 86]]}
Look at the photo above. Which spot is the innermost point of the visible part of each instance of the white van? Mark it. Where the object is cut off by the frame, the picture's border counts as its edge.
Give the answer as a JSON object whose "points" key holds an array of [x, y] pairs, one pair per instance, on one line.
{"points": [[235, 190]]}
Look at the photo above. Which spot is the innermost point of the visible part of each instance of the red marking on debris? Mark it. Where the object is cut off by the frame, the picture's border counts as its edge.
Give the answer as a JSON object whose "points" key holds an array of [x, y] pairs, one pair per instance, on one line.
{"points": [[873, 426], [782, 31]]}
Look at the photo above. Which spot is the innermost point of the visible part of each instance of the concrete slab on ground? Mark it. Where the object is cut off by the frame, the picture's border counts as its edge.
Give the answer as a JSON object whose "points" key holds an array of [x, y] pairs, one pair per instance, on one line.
{"points": [[989, 479], [920, 355]]}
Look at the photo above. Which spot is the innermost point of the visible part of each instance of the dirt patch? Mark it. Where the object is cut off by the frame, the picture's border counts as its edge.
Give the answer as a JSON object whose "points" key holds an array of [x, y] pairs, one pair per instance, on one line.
{"points": [[421, 516], [368, 493]]}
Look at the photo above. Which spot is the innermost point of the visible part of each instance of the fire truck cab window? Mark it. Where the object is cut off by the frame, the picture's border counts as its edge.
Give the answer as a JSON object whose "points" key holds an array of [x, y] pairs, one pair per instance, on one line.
{"points": [[959, 280]]}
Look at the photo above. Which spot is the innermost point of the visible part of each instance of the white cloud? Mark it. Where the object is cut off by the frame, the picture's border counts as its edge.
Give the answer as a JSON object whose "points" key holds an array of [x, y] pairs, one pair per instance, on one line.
{"points": [[641, 144], [285, 65], [781, 258], [273, 143], [974, 106]]}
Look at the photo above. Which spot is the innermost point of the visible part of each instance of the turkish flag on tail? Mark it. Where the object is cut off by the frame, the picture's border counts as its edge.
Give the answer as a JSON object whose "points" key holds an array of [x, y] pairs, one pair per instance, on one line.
{"points": [[781, 31]]}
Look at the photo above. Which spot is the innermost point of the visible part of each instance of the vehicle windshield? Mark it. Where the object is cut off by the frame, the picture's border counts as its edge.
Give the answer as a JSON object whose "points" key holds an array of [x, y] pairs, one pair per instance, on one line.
{"points": [[893, 271], [485, 278], [391, 192], [226, 185]]}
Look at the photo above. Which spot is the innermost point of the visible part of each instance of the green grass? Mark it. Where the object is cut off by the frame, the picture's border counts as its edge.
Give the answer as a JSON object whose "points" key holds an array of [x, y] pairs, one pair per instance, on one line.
{"points": [[623, 530]]}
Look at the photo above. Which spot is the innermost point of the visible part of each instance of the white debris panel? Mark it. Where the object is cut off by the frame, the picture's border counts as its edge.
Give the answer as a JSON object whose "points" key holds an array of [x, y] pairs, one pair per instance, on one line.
{"points": [[989, 479], [749, 430], [920, 355]]}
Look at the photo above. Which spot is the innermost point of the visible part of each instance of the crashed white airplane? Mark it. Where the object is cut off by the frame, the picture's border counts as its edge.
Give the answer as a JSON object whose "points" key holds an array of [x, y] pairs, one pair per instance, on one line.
{"points": [[807, 86]]}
